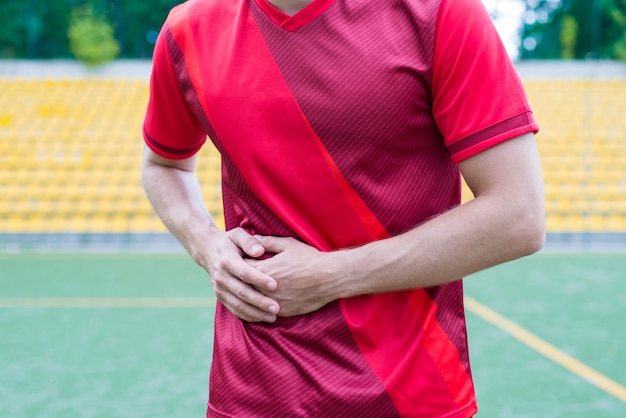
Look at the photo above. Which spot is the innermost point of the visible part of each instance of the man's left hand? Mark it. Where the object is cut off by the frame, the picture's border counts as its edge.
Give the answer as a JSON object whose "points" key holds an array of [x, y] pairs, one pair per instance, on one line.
{"points": [[302, 274]]}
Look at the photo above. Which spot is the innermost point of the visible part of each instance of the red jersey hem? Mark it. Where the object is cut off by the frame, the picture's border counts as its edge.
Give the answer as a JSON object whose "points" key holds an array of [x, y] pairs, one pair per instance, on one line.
{"points": [[467, 412], [480, 141], [169, 152], [483, 146]]}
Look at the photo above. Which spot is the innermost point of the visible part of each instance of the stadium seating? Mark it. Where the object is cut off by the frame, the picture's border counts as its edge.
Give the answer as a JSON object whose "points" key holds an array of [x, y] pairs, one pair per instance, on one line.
{"points": [[70, 153], [582, 144]]}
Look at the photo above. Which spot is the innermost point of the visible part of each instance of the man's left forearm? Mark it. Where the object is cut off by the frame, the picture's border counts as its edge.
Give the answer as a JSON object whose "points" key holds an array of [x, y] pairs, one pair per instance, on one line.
{"points": [[462, 241]]}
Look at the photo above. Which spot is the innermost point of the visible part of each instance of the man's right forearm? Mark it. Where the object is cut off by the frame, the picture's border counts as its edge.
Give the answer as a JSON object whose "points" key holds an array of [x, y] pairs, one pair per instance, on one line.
{"points": [[173, 189], [176, 197]]}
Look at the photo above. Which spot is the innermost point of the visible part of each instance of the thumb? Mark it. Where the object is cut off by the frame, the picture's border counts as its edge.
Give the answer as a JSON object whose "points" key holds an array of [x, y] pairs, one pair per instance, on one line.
{"points": [[273, 244], [249, 244]]}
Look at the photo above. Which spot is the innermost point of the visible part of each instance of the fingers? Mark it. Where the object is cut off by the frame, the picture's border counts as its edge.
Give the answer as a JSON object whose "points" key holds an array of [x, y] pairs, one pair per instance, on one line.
{"points": [[233, 277], [238, 285], [244, 302], [274, 244], [252, 247], [243, 299], [249, 245]]}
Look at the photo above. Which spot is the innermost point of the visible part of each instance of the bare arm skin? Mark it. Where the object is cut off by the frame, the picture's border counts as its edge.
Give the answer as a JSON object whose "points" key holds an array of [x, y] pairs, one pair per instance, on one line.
{"points": [[172, 188], [505, 221]]}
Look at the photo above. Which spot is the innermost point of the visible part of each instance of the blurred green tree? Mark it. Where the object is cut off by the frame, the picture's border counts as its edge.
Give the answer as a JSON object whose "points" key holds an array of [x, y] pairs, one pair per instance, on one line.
{"points": [[569, 31], [91, 37]]}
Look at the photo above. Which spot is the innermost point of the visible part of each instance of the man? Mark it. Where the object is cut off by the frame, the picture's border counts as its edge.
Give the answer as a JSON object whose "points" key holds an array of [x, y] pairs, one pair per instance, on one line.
{"points": [[343, 125]]}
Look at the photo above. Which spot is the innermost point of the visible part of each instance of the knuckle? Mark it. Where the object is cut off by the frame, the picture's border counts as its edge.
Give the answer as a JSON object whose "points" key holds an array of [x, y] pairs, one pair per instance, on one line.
{"points": [[218, 280], [222, 296], [239, 309], [238, 232], [241, 294], [222, 292], [220, 264]]}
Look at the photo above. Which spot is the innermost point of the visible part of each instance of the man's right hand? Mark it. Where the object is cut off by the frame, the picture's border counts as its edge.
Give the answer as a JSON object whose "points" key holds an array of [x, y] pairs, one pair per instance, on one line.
{"points": [[235, 282], [173, 189]]}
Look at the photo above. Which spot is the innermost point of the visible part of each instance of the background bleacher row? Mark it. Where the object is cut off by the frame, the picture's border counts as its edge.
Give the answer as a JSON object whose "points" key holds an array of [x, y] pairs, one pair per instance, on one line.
{"points": [[70, 152]]}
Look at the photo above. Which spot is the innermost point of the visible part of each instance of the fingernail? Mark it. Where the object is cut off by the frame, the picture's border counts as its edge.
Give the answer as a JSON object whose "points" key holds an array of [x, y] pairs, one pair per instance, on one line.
{"points": [[271, 285], [269, 318], [257, 248], [271, 308]]}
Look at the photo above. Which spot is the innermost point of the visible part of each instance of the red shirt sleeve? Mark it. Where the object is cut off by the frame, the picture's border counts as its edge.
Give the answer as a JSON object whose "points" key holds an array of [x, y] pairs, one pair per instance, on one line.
{"points": [[478, 97], [171, 128]]}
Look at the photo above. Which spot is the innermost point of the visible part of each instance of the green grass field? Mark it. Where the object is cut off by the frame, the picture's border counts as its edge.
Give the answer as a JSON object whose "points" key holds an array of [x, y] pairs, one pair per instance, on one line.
{"points": [[112, 335]]}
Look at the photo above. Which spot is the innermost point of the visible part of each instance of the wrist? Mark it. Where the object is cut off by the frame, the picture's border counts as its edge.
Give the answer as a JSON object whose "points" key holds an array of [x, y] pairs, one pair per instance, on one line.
{"points": [[346, 273], [200, 241]]}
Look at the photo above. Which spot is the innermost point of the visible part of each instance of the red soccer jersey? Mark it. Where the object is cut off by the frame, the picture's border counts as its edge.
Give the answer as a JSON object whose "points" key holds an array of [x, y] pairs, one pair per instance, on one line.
{"points": [[339, 125]]}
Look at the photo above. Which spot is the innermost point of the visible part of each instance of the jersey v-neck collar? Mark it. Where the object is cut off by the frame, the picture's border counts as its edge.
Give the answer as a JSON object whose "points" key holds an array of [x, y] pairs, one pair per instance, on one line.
{"points": [[298, 20]]}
